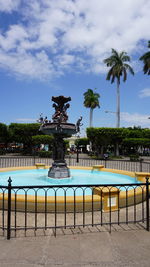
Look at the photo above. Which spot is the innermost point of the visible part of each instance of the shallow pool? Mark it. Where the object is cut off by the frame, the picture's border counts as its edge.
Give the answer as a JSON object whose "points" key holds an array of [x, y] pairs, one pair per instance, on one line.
{"points": [[83, 177]]}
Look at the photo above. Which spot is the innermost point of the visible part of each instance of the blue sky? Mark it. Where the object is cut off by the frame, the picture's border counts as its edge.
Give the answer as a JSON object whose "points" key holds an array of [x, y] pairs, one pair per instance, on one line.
{"points": [[56, 47]]}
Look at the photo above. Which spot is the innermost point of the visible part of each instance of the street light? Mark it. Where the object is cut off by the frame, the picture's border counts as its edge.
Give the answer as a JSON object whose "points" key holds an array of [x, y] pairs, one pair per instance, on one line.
{"points": [[108, 111], [77, 159]]}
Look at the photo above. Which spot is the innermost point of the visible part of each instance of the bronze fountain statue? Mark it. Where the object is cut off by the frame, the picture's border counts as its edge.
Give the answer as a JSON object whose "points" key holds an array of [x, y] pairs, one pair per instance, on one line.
{"points": [[60, 129]]}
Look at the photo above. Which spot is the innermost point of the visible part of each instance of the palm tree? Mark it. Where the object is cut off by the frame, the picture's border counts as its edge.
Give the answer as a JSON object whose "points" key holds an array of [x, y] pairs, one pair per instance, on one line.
{"points": [[91, 100], [118, 67], [146, 60]]}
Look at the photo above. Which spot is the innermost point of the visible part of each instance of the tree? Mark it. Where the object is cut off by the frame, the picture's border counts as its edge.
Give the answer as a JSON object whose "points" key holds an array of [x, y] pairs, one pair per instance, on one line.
{"points": [[43, 139], [3, 133], [118, 67], [132, 145], [146, 60], [82, 142], [23, 132], [103, 137], [91, 100], [38, 140], [4, 136]]}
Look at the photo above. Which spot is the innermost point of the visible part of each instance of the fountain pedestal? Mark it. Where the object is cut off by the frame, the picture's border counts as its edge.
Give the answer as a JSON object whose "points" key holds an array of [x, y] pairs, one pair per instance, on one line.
{"points": [[59, 170]]}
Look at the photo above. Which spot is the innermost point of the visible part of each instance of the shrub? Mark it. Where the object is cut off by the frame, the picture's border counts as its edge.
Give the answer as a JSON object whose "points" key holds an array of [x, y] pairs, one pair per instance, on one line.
{"points": [[134, 157], [2, 152], [45, 154]]}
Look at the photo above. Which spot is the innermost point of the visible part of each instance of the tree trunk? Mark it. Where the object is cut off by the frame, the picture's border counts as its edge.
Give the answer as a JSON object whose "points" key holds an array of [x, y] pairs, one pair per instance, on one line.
{"points": [[117, 150], [91, 117], [118, 116], [102, 151], [118, 105]]}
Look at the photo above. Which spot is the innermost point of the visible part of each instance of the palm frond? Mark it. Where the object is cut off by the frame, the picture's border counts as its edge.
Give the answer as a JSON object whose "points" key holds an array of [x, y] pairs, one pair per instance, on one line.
{"points": [[124, 74], [91, 99], [126, 58], [146, 69], [114, 52], [118, 66], [145, 56], [146, 61], [122, 54], [109, 74], [129, 68], [113, 78]]}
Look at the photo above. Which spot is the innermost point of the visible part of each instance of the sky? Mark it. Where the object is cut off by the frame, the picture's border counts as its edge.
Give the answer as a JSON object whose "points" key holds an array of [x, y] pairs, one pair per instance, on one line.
{"points": [[57, 47]]}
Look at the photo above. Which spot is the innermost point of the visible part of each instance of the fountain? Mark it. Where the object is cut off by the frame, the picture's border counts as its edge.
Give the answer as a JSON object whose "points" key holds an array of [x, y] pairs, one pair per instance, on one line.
{"points": [[60, 129]]}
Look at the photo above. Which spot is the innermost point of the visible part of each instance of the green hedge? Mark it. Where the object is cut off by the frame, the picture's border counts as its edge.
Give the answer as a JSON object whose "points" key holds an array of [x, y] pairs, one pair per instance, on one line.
{"points": [[134, 157], [45, 154], [2, 152]]}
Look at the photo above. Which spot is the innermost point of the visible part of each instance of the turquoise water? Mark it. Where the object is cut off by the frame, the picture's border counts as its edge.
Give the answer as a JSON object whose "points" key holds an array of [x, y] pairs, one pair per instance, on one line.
{"points": [[84, 177]]}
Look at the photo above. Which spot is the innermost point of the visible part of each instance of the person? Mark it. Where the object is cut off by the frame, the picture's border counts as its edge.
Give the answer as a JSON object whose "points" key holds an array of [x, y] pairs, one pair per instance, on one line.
{"points": [[106, 156]]}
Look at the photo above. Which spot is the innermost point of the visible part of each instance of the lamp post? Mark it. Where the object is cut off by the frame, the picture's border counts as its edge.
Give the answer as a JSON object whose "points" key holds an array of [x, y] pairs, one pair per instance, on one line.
{"points": [[77, 159]]}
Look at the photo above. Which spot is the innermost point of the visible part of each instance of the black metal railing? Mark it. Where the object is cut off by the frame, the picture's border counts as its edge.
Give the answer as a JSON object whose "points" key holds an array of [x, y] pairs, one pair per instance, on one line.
{"points": [[6, 162], [103, 206], [136, 166]]}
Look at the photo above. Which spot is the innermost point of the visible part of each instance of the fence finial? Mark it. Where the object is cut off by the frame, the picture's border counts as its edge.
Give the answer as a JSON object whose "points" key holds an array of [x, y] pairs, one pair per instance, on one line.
{"points": [[9, 181]]}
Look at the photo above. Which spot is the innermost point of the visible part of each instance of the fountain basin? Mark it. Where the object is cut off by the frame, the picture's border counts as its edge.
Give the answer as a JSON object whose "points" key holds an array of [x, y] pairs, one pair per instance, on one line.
{"points": [[59, 167], [66, 203], [66, 129]]}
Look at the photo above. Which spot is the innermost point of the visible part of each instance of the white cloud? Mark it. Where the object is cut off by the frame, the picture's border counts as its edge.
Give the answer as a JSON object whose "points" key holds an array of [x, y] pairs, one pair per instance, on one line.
{"points": [[13, 37], [135, 119], [9, 5], [27, 65], [65, 60], [70, 34], [144, 93]]}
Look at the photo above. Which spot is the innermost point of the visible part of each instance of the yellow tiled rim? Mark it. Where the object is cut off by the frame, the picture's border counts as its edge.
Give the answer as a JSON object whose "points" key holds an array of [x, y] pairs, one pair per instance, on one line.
{"points": [[100, 199]]}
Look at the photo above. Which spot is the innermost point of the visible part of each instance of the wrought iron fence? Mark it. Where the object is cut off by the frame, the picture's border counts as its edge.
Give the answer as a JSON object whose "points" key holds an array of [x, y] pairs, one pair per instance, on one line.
{"points": [[90, 205], [22, 161], [138, 166]]}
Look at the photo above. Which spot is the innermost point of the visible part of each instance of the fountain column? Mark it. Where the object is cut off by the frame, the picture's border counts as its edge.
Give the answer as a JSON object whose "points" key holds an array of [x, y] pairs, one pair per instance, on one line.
{"points": [[59, 167]]}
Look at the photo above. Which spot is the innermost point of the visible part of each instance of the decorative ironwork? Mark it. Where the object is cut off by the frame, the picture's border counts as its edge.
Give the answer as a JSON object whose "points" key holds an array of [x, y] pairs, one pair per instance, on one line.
{"points": [[135, 166], [60, 128], [60, 114], [54, 219], [78, 124]]}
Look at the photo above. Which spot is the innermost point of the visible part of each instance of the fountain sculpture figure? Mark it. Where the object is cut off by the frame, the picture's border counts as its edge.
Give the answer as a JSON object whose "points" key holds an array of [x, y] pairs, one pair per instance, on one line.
{"points": [[60, 129]]}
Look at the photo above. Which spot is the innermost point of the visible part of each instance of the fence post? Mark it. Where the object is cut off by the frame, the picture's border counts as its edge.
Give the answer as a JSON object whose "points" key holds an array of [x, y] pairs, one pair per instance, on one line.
{"points": [[105, 162], [147, 203], [141, 165], [9, 210], [69, 160], [77, 159], [33, 159]]}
